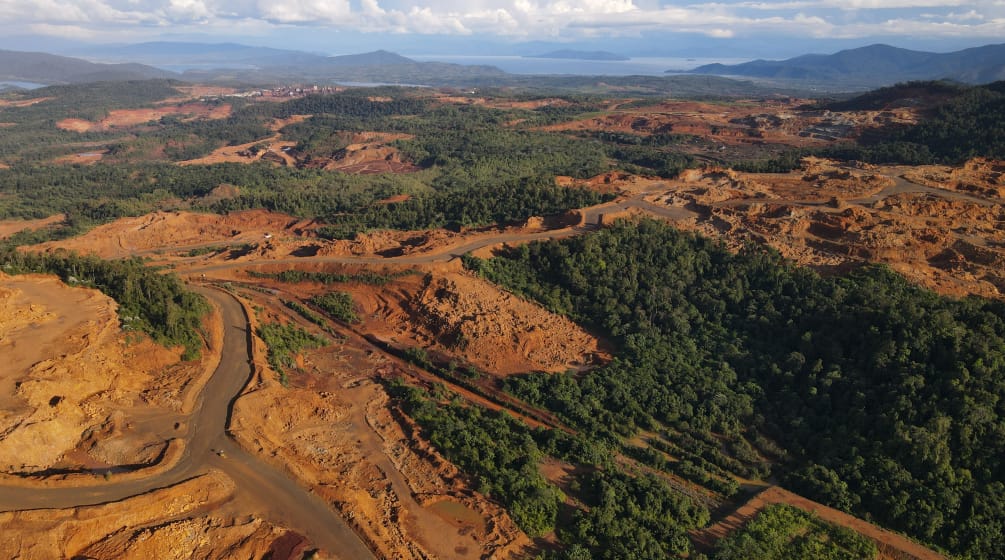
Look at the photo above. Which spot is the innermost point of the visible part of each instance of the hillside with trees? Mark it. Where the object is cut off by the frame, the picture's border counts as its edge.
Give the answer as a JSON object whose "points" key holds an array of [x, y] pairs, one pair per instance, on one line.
{"points": [[872, 395]]}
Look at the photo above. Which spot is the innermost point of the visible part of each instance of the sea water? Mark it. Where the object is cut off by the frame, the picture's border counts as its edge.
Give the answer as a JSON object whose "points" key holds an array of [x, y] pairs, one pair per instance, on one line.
{"points": [[642, 66]]}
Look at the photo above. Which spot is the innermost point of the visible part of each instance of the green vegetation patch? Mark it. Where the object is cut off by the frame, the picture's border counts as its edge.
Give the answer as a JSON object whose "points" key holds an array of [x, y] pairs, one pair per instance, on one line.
{"points": [[284, 342], [782, 532], [310, 315], [338, 305], [621, 516], [493, 448]]}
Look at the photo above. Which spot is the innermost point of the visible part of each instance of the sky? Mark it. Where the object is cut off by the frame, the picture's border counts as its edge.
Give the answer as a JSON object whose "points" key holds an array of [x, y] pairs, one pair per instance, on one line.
{"points": [[335, 26]]}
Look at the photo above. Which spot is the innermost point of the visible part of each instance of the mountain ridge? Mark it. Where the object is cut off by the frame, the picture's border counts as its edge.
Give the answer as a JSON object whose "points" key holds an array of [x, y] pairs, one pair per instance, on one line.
{"points": [[875, 65], [54, 69]]}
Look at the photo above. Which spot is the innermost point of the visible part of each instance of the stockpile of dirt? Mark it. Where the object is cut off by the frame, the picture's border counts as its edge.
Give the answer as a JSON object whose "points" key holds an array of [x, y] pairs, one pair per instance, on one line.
{"points": [[272, 149], [268, 149], [168, 523], [612, 182], [368, 152]]}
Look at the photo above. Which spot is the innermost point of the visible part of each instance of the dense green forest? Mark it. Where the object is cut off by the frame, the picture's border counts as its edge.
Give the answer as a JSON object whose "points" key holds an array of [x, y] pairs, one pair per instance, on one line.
{"points": [[149, 301], [873, 395]]}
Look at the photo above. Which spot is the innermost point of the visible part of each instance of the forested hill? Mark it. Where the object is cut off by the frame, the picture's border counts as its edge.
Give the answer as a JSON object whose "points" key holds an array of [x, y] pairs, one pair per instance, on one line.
{"points": [[51, 69], [875, 65], [874, 396]]}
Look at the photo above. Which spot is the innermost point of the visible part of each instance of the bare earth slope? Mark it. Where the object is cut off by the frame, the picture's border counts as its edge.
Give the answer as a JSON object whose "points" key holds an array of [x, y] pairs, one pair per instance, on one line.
{"points": [[69, 374]]}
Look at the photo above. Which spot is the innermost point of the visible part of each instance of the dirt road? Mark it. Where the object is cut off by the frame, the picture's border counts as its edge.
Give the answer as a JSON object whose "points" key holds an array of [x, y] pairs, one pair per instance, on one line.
{"points": [[269, 493]]}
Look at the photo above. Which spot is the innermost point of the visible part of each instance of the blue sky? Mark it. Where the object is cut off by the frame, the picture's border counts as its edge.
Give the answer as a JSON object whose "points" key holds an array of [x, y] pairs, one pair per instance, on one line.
{"points": [[336, 26]]}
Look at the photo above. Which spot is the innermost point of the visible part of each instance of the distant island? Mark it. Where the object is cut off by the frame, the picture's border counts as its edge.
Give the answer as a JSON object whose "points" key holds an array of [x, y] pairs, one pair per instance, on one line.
{"points": [[580, 55]]}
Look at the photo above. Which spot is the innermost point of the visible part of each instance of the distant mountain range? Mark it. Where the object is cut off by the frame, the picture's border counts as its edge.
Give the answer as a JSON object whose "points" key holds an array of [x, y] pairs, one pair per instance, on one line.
{"points": [[52, 69], [580, 55], [234, 64], [874, 65], [231, 55]]}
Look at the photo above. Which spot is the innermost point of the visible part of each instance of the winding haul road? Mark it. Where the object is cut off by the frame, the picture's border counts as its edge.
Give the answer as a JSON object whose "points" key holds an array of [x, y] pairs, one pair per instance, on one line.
{"points": [[283, 501]]}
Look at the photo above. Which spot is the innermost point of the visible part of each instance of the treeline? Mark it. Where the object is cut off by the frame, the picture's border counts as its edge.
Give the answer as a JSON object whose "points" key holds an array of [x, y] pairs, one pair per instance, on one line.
{"points": [[481, 170], [150, 302], [92, 101], [494, 449], [883, 398], [349, 203], [33, 136], [505, 202], [363, 104], [102, 192]]}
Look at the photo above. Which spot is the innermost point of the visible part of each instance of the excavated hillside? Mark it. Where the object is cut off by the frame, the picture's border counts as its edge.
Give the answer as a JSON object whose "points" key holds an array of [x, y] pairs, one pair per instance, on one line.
{"points": [[78, 392], [941, 227]]}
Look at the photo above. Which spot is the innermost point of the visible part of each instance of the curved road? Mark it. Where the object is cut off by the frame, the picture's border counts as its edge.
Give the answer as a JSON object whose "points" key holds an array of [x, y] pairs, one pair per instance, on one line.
{"points": [[283, 501]]}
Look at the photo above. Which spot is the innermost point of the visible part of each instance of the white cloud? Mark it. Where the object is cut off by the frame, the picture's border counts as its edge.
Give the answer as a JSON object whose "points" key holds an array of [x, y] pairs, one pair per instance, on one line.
{"points": [[305, 11], [971, 15], [515, 18]]}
